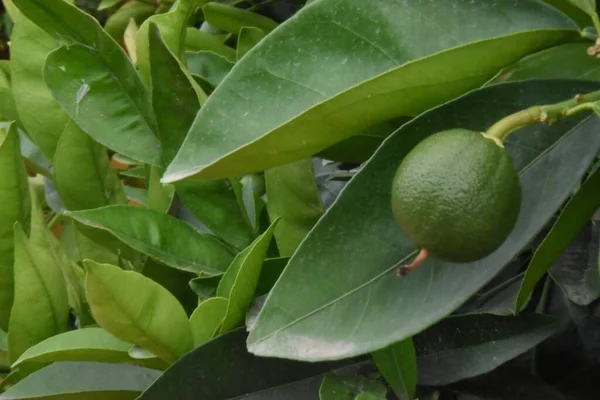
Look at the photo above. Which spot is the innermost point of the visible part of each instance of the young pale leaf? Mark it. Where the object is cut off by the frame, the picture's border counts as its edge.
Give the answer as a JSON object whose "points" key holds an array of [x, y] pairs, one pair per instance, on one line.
{"points": [[172, 26], [41, 307], [93, 183], [351, 388], [175, 281], [162, 237], [359, 240], [239, 282], [232, 19], [232, 374], [350, 67], [41, 116], [16, 207], [462, 347], [138, 310], [398, 365], [572, 219], [207, 319], [248, 38], [87, 344], [173, 95], [81, 75], [80, 380], [566, 61], [294, 197], [215, 204]]}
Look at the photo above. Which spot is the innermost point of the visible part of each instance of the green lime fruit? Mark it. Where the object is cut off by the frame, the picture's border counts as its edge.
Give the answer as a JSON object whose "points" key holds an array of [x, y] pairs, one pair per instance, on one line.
{"points": [[457, 195]]}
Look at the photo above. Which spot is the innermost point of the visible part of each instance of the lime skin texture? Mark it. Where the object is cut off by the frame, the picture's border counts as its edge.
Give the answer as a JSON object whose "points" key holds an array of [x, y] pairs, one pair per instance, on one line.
{"points": [[457, 194]]}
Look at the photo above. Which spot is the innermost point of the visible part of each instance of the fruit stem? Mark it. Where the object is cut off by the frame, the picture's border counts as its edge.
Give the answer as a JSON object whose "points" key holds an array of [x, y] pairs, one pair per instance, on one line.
{"points": [[403, 270], [546, 114]]}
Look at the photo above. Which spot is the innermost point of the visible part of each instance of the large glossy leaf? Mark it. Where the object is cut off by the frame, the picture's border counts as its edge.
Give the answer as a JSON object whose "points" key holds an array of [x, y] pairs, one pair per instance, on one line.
{"points": [[197, 40], [572, 219], [40, 114], [40, 309], [462, 347], [575, 13], [241, 279], [83, 380], [398, 365], [173, 96], [138, 310], [352, 252], [94, 81], [87, 344], [92, 183], [16, 207], [568, 61], [160, 236], [248, 38], [293, 196], [215, 204], [222, 369], [350, 67]]}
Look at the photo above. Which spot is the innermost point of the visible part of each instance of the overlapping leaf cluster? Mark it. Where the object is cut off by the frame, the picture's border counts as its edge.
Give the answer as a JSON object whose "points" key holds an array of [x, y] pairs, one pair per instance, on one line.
{"points": [[167, 176]]}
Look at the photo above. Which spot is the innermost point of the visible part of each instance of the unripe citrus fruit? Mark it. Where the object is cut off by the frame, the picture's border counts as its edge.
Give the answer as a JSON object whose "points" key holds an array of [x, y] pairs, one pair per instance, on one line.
{"points": [[457, 195]]}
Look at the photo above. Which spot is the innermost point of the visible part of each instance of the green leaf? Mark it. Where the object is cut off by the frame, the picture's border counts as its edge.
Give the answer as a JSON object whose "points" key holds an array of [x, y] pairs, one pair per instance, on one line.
{"points": [[135, 172], [293, 196], [99, 100], [137, 10], [350, 388], [79, 247], [92, 183], [232, 19], [175, 281], [162, 237], [136, 194], [568, 61], [138, 310], [205, 286], [207, 319], [172, 26], [325, 96], [574, 12], [16, 207], [197, 40], [79, 381], [270, 272], [253, 190], [8, 110], [94, 81], [398, 365], [215, 204], [248, 38], [239, 282], [160, 196], [209, 66], [588, 6], [35, 160], [371, 302], [172, 94], [41, 307], [572, 219], [87, 344], [462, 347], [233, 372], [104, 4], [41, 116]]}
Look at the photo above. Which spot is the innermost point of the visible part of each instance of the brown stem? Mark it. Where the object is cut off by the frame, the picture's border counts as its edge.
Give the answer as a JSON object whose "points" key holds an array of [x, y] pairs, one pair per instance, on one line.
{"points": [[403, 270]]}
